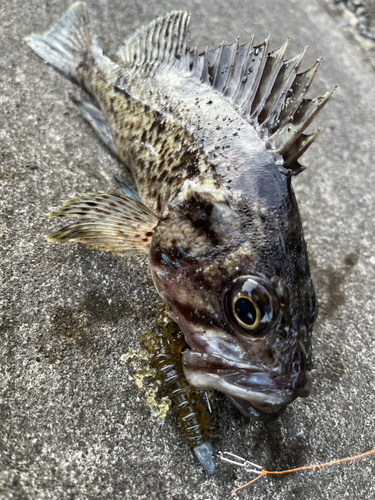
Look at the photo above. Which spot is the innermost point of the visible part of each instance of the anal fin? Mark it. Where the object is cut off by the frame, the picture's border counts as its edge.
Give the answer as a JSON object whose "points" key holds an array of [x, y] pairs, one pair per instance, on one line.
{"points": [[108, 221], [98, 122]]}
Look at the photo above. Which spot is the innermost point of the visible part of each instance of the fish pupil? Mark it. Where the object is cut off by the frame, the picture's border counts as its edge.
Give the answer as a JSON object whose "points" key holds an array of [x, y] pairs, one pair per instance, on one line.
{"points": [[245, 311]]}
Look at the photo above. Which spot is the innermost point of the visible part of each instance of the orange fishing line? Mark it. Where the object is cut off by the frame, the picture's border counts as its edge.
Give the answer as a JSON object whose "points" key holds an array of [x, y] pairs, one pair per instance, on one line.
{"points": [[307, 467]]}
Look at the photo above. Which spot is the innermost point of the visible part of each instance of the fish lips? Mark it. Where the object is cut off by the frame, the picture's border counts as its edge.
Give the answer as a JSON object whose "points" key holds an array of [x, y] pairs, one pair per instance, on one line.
{"points": [[260, 394]]}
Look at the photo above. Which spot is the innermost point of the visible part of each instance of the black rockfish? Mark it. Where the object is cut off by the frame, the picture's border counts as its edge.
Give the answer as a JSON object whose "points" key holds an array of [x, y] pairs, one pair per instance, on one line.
{"points": [[213, 141]]}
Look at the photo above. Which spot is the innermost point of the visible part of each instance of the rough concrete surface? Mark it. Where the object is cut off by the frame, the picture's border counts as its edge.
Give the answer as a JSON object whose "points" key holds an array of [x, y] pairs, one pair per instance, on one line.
{"points": [[356, 18], [73, 424], [364, 12]]}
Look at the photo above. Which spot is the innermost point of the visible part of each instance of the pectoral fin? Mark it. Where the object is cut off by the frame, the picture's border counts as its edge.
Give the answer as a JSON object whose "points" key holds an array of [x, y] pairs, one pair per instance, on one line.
{"points": [[108, 221]]}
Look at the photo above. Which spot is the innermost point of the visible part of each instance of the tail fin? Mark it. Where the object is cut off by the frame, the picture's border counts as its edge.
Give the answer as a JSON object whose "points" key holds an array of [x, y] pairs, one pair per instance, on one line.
{"points": [[68, 43]]}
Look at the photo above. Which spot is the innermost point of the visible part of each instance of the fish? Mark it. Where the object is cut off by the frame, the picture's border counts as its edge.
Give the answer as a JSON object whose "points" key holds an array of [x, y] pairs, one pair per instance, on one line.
{"points": [[213, 140]]}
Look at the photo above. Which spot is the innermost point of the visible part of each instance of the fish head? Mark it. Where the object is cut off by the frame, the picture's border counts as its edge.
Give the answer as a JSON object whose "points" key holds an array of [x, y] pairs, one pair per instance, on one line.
{"points": [[245, 304]]}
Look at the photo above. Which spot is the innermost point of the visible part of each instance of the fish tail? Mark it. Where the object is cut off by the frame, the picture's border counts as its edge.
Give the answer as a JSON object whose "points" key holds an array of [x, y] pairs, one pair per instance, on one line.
{"points": [[68, 43]]}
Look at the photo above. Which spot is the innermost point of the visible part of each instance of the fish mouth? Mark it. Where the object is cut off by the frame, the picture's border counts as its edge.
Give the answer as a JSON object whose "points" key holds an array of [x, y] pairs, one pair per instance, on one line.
{"points": [[260, 394]]}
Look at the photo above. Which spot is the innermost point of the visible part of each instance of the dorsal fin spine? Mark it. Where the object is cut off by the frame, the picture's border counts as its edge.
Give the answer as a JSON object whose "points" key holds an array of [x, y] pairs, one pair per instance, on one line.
{"points": [[232, 64], [284, 137], [183, 43], [278, 56], [246, 105], [204, 75], [185, 52], [274, 111], [146, 46], [299, 147], [163, 42], [178, 28], [217, 65], [137, 51], [243, 69], [180, 38], [150, 45], [303, 81], [237, 70], [154, 45], [168, 43], [142, 50], [195, 63], [175, 37]]}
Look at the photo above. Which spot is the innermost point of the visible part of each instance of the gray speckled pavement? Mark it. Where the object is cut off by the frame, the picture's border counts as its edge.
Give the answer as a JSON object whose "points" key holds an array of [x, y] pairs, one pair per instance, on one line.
{"points": [[73, 424]]}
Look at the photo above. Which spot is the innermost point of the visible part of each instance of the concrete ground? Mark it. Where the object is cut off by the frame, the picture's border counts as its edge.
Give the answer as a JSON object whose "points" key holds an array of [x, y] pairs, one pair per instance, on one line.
{"points": [[73, 423]]}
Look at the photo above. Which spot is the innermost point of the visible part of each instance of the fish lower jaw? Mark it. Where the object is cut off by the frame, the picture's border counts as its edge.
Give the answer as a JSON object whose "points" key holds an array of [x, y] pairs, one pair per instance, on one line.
{"points": [[248, 394], [255, 393]]}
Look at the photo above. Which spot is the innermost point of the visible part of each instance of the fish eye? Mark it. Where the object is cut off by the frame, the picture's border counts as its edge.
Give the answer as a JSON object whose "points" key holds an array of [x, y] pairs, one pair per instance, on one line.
{"points": [[251, 305], [246, 312]]}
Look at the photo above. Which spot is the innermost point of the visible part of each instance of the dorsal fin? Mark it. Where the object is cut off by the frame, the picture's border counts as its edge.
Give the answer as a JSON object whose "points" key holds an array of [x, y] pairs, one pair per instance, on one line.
{"points": [[165, 41], [233, 70], [263, 86], [268, 90]]}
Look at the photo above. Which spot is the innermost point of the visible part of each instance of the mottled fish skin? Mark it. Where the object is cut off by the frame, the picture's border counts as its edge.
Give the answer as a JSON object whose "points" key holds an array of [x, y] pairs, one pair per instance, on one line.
{"points": [[168, 127], [212, 146], [148, 134]]}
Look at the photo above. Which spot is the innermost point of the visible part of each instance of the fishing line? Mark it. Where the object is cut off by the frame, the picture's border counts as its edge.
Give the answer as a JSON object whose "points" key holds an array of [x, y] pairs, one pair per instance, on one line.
{"points": [[262, 472]]}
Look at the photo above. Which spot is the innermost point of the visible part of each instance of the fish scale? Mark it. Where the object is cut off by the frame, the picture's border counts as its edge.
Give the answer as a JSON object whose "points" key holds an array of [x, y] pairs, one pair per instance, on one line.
{"points": [[152, 142], [213, 140]]}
